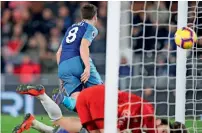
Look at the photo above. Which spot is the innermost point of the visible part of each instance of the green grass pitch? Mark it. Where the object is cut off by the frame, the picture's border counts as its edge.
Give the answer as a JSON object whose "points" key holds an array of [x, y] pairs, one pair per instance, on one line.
{"points": [[8, 123]]}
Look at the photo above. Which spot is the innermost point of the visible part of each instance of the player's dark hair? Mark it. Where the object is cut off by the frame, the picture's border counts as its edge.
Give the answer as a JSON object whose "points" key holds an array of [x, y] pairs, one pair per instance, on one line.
{"points": [[165, 122], [88, 11], [178, 128]]}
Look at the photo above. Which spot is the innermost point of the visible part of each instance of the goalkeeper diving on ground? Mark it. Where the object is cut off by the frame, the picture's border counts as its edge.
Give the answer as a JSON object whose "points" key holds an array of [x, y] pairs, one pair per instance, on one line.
{"points": [[135, 113]]}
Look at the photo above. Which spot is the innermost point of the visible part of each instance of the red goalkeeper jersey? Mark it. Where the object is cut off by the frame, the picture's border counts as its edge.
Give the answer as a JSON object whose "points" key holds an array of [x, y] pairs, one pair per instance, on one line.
{"points": [[135, 113]]}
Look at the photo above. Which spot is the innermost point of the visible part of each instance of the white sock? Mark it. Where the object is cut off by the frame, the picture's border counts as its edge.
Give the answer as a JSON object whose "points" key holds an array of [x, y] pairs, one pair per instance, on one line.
{"points": [[41, 127], [50, 106]]}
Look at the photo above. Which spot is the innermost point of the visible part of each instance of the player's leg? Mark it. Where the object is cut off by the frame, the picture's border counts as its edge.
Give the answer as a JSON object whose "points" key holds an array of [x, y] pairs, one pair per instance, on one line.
{"points": [[51, 107], [59, 97], [71, 124], [68, 102], [69, 72], [38, 91], [72, 83], [25, 125], [71, 79], [41, 127], [30, 122]]}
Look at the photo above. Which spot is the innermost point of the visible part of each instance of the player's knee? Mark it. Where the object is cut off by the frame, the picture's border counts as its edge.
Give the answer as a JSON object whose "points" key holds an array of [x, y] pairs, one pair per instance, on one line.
{"points": [[62, 121], [57, 122]]}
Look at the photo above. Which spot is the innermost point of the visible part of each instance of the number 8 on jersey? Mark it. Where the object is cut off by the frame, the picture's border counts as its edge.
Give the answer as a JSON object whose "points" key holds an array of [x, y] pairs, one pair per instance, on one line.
{"points": [[72, 35]]}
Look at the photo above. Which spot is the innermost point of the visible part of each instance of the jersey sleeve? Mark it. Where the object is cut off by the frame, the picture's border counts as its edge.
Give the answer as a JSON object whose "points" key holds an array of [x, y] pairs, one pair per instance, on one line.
{"points": [[148, 117], [91, 33]]}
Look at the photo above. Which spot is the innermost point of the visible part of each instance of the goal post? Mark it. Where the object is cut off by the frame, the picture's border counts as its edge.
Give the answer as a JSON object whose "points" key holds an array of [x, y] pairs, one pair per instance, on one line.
{"points": [[141, 47], [112, 67], [180, 98]]}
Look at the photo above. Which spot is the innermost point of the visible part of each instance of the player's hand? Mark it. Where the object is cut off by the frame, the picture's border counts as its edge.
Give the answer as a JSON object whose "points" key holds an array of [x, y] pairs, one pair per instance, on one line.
{"points": [[85, 75]]}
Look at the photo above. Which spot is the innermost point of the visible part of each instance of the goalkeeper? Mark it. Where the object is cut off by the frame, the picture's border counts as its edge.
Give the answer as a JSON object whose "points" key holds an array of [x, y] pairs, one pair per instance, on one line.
{"points": [[136, 112]]}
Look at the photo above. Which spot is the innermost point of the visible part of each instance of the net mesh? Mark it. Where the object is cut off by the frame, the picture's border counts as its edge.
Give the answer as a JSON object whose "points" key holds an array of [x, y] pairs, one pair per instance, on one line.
{"points": [[148, 57], [194, 73]]}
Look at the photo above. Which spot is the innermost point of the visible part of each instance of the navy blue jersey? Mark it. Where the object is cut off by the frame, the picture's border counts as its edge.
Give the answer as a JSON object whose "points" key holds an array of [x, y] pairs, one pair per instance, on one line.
{"points": [[72, 39]]}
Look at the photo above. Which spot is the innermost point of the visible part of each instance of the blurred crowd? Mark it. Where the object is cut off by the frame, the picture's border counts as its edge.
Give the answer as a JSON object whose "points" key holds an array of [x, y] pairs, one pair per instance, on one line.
{"points": [[31, 33], [154, 26], [152, 61]]}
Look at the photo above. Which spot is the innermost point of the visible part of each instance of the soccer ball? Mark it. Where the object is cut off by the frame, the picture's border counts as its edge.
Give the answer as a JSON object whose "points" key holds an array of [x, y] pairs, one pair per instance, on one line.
{"points": [[185, 38]]}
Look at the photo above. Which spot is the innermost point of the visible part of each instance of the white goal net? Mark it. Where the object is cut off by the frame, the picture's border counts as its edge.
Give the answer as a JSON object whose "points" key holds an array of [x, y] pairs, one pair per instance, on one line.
{"points": [[148, 58], [194, 71]]}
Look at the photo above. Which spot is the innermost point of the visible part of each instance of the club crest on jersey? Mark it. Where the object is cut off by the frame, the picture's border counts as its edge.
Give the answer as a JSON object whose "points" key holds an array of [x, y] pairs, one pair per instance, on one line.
{"points": [[126, 113], [120, 122], [93, 34]]}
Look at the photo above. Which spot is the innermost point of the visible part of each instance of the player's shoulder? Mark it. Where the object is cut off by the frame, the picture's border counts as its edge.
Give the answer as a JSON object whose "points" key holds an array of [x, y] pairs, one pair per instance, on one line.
{"points": [[91, 28], [91, 32]]}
